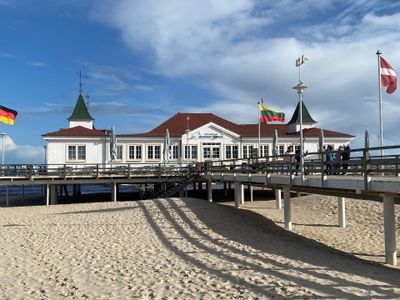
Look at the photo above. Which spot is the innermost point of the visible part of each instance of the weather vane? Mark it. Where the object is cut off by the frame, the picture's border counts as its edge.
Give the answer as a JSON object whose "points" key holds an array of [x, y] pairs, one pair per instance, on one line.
{"points": [[80, 80]]}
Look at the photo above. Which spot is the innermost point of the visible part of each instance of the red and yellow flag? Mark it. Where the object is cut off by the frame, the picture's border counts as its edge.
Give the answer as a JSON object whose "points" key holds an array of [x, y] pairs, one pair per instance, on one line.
{"points": [[7, 115]]}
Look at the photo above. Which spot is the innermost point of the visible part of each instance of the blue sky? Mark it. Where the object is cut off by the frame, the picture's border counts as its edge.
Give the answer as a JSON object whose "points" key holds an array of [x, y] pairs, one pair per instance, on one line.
{"points": [[148, 59]]}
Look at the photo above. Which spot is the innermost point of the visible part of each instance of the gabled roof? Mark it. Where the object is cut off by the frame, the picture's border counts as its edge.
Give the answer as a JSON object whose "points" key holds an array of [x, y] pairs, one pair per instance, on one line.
{"points": [[81, 112], [307, 119], [178, 124], [77, 131]]}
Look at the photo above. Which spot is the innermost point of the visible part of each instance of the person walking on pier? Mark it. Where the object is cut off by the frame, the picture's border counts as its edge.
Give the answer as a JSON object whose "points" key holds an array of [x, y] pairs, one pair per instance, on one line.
{"points": [[346, 158], [329, 159], [338, 160], [289, 159]]}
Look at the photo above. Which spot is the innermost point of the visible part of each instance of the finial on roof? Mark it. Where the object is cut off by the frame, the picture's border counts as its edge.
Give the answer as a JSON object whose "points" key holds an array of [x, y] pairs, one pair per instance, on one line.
{"points": [[80, 80]]}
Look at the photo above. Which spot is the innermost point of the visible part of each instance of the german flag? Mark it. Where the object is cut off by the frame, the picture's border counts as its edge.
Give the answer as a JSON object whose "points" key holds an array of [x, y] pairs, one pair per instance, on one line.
{"points": [[7, 115]]}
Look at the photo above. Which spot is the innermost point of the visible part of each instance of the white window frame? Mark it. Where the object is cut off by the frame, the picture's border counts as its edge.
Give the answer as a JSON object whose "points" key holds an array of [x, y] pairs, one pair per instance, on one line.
{"points": [[248, 148], [264, 150], [231, 147], [191, 156], [135, 152], [153, 146], [174, 150], [76, 152], [281, 149], [119, 146]]}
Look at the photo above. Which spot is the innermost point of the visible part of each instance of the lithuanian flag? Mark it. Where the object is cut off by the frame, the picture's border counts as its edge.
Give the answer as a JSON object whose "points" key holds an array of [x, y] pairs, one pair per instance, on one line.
{"points": [[270, 115], [7, 115]]}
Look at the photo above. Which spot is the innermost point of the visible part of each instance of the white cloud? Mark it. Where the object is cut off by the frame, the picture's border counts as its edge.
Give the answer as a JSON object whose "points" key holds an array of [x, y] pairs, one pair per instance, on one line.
{"points": [[245, 49], [14, 153]]}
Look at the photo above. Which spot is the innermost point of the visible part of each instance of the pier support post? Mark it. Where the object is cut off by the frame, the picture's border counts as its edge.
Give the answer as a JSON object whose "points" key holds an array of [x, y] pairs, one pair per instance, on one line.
{"points": [[278, 197], [53, 193], [287, 213], [114, 192], [390, 229], [209, 190], [47, 194], [251, 190], [241, 193], [225, 190], [238, 194], [7, 198], [342, 212]]}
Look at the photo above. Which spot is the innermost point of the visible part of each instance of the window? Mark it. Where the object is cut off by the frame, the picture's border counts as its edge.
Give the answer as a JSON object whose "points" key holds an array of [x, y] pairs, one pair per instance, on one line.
{"points": [[231, 151], [71, 152], [153, 152], [264, 150], [119, 152], [135, 152], [174, 151], [76, 152], [247, 149], [281, 149], [190, 152]]}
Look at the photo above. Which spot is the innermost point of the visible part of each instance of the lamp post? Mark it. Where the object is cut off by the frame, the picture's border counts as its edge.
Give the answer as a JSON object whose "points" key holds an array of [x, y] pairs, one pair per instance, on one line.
{"points": [[45, 155], [300, 90]]}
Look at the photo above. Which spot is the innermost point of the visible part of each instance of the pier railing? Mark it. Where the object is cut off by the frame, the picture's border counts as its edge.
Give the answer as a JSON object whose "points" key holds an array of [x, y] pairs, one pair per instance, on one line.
{"points": [[87, 170], [363, 162]]}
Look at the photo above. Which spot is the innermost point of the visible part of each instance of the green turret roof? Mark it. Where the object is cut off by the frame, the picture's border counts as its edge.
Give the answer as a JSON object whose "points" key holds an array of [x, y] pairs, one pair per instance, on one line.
{"points": [[307, 119], [80, 111]]}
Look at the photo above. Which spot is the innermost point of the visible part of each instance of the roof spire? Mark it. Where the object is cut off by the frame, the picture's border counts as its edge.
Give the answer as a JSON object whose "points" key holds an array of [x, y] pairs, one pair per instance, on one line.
{"points": [[80, 112], [307, 119]]}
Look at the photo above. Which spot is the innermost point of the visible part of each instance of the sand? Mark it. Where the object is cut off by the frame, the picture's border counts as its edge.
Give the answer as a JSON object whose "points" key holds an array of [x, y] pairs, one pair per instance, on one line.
{"points": [[316, 217], [182, 249]]}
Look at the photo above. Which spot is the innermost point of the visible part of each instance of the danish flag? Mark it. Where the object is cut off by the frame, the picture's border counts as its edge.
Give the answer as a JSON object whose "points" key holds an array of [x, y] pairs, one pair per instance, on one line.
{"points": [[388, 76]]}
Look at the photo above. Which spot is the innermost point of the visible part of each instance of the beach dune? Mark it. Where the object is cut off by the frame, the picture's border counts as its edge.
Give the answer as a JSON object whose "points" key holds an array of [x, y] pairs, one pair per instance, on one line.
{"points": [[172, 248]]}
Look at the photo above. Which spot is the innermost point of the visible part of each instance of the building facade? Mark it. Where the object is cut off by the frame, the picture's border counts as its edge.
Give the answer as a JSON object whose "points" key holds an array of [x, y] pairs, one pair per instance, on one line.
{"points": [[192, 137]]}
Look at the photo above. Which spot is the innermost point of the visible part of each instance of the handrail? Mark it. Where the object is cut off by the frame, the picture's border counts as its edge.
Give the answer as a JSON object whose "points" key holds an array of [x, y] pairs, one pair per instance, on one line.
{"points": [[361, 162]]}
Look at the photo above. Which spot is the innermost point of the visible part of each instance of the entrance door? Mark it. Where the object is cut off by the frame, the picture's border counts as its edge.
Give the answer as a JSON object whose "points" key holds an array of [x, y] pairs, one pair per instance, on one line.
{"points": [[211, 151]]}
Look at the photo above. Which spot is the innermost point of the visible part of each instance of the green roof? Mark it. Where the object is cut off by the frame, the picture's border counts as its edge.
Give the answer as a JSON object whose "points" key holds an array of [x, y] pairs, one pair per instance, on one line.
{"points": [[307, 119], [80, 111]]}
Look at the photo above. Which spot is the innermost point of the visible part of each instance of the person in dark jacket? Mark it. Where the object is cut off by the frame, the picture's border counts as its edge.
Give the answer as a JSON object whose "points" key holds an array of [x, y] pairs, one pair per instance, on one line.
{"points": [[346, 158]]}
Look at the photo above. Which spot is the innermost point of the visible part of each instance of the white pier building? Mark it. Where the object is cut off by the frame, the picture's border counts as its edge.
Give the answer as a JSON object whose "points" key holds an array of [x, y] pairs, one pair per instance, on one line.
{"points": [[193, 137]]}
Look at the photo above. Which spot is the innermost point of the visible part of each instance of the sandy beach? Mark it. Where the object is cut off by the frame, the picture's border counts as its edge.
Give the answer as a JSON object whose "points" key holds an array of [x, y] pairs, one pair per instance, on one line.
{"points": [[190, 249]]}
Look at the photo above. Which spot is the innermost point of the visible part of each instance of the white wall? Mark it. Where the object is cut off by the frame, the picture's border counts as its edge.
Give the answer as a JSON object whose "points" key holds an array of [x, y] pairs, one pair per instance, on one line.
{"points": [[86, 124], [57, 150]]}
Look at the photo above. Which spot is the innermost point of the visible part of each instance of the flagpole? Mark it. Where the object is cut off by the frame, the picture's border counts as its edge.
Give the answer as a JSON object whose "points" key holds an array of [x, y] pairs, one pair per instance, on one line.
{"points": [[378, 53], [259, 131]]}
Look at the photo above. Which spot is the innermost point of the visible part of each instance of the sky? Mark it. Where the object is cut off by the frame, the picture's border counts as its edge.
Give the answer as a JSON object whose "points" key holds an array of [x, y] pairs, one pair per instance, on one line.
{"points": [[145, 60]]}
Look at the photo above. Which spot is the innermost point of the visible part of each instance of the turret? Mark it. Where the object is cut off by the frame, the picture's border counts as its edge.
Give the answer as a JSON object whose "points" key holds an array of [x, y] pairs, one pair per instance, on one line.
{"points": [[80, 116], [294, 123]]}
